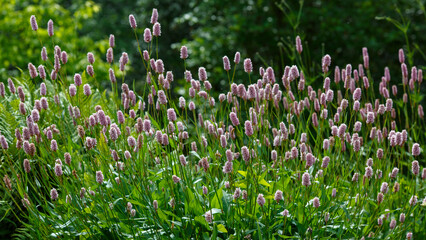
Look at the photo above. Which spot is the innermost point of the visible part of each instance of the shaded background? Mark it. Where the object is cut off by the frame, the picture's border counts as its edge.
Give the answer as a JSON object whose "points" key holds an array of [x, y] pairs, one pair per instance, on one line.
{"points": [[263, 30]]}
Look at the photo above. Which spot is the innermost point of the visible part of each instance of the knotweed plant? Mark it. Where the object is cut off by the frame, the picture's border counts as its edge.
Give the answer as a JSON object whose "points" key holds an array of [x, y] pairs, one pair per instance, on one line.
{"points": [[271, 157]]}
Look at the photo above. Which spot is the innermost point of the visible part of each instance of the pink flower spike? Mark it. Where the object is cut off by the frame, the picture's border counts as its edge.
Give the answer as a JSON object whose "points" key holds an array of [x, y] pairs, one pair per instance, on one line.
{"points": [[183, 52], [226, 63], [147, 37], [132, 21], [248, 67], [299, 47], [50, 28], [154, 16], [237, 57], [156, 29], [99, 177], [33, 22]]}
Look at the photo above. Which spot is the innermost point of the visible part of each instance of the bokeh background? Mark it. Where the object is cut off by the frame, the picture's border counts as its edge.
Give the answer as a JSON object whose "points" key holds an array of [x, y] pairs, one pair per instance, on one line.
{"points": [[263, 30]]}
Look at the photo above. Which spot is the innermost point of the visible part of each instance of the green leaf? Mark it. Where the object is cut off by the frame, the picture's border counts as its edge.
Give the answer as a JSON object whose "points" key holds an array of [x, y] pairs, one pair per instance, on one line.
{"points": [[203, 221], [241, 184], [300, 211], [287, 237], [195, 154], [87, 210], [244, 173], [221, 228], [216, 201], [214, 236], [264, 183], [162, 215], [195, 208]]}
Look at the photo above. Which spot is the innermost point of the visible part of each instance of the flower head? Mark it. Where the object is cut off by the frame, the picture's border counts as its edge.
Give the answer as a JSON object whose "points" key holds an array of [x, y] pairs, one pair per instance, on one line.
{"points": [[154, 16], [111, 40], [306, 179], [53, 194], [33, 71], [278, 196], [202, 74], [132, 21], [415, 167], [171, 114], [58, 169], [413, 200], [260, 200], [184, 52], [3, 142], [234, 119], [33, 22], [175, 179], [380, 197], [299, 47], [415, 150], [27, 166], [209, 217], [147, 36], [87, 90], [228, 167], [248, 128], [226, 63], [316, 202], [248, 67], [237, 57], [99, 177], [156, 29]]}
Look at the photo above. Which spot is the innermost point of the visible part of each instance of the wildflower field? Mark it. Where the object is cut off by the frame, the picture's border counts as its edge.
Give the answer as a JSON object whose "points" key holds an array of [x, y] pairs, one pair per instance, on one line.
{"points": [[333, 154]]}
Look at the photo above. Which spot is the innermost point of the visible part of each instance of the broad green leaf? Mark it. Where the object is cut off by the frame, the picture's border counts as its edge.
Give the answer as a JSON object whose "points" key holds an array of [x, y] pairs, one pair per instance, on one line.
{"points": [[244, 173], [221, 228], [202, 220], [216, 201], [264, 183]]}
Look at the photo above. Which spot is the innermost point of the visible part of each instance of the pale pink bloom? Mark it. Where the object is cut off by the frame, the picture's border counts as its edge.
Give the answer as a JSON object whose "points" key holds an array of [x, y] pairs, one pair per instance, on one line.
{"points": [[33, 22], [132, 21], [147, 36], [99, 177], [306, 179], [415, 150], [156, 29], [278, 196], [415, 167], [316, 202], [260, 200], [226, 63], [175, 179], [184, 52], [209, 217], [53, 194], [58, 169], [380, 197], [248, 128], [299, 47], [413, 200], [237, 58], [248, 67]]}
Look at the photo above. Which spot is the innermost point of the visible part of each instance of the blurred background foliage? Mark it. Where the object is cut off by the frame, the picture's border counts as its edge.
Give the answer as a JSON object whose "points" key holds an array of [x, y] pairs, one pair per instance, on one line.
{"points": [[263, 30], [20, 45]]}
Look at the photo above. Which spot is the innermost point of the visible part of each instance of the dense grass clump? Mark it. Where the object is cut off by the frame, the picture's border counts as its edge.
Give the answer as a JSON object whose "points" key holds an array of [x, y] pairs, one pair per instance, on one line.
{"points": [[268, 159]]}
